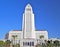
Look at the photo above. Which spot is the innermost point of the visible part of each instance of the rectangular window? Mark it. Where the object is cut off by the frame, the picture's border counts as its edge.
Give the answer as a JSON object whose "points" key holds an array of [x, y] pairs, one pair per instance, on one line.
{"points": [[25, 43], [28, 43], [32, 43]]}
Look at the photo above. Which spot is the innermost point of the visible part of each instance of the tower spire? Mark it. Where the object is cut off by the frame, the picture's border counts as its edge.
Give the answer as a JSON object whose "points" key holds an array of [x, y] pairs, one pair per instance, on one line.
{"points": [[28, 6], [28, 22]]}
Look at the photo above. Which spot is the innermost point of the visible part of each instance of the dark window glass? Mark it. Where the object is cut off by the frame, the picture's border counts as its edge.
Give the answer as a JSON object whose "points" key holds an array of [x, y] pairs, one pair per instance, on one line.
{"points": [[28, 43], [32, 43]]}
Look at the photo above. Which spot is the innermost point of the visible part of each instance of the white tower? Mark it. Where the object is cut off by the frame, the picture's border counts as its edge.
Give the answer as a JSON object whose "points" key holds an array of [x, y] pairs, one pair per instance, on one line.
{"points": [[28, 23]]}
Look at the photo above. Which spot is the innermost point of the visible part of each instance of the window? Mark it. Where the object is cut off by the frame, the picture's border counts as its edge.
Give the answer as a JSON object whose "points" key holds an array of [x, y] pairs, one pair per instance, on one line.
{"points": [[24, 43], [32, 43], [28, 43]]}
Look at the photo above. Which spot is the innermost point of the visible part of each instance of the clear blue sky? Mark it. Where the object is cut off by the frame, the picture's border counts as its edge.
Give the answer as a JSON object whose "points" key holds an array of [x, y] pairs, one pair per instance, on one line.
{"points": [[47, 16]]}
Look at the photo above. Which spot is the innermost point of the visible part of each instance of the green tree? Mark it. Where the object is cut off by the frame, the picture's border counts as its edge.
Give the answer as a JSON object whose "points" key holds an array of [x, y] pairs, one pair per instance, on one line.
{"points": [[38, 45], [44, 45], [42, 36], [17, 45], [50, 43], [2, 43], [56, 43], [14, 37], [8, 42], [42, 39]]}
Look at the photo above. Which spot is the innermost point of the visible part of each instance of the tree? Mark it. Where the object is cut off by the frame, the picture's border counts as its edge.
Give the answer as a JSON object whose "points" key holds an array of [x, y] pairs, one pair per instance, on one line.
{"points": [[14, 37], [2, 43], [50, 43], [46, 43], [42, 39], [17, 45], [38, 45], [42, 36], [8, 42], [56, 43]]}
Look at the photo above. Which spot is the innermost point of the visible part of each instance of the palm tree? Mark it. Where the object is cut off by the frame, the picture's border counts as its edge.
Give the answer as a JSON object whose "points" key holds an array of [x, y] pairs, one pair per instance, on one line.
{"points": [[46, 43], [50, 43], [14, 37], [56, 43], [42, 36]]}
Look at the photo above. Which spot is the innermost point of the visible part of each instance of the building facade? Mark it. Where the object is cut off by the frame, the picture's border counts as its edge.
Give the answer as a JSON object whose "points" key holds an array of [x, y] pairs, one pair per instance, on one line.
{"points": [[28, 36]]}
